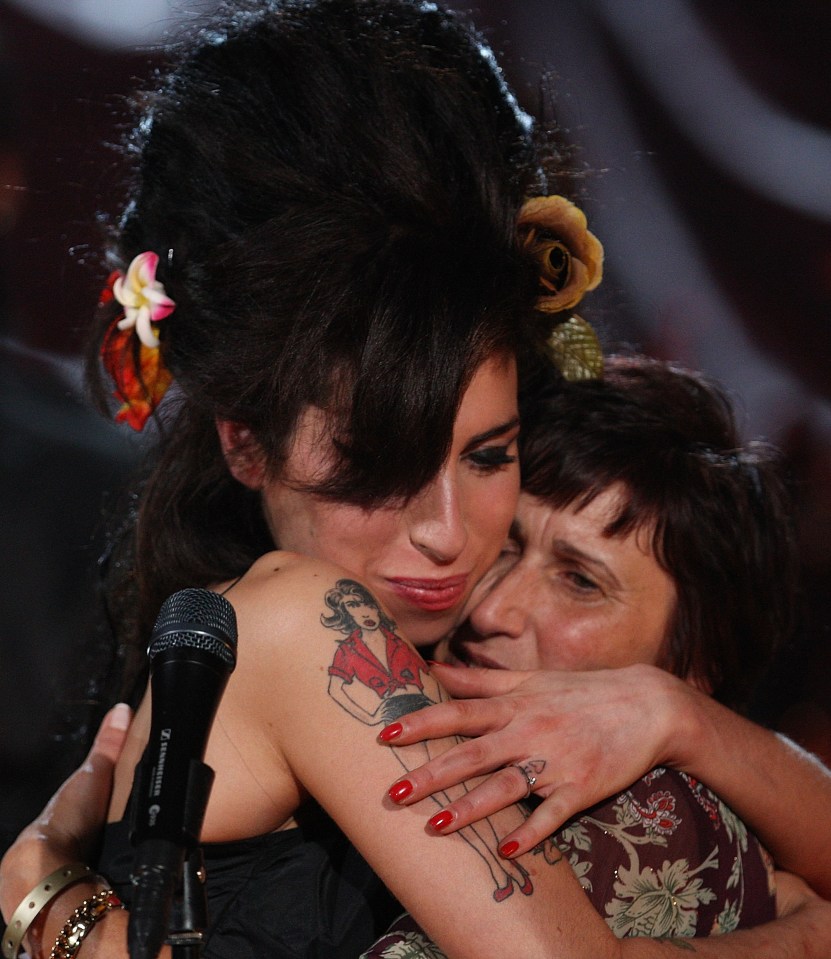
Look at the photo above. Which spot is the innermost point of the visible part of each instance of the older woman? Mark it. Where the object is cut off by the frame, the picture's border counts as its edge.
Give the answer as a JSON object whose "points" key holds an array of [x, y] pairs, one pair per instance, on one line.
{"points": [[644, 536]]}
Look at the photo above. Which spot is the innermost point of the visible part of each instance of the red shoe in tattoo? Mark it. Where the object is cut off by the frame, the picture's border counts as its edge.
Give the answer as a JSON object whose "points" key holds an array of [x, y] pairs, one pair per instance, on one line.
{"points": [[527, 887], [500, 895]]}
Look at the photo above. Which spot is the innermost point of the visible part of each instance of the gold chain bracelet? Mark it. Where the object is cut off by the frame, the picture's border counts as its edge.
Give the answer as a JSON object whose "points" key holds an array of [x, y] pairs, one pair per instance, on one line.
{"points": [[81, 922]]}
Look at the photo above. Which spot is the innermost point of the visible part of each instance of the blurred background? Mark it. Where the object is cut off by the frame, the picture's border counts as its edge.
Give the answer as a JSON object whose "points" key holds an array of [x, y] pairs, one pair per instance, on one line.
{"points": [[702, 130]]}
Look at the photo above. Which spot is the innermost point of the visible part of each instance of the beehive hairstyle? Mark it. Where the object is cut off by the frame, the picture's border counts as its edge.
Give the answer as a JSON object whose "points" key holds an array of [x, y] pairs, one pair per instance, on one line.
{"points": [[331, 187]]}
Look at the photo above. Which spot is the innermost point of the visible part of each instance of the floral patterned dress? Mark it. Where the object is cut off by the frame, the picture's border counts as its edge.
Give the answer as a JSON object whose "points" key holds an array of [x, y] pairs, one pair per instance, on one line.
{"points": [[664, 858]]}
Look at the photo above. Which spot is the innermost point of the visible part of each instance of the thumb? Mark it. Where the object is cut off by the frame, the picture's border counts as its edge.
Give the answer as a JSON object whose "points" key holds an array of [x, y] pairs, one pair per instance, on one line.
{"points": [[109, 740], [79, 807]]}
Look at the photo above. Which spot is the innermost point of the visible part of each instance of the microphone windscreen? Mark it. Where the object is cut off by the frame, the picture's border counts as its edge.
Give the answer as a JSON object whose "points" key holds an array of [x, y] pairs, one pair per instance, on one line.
{"points": [[199, 619]]}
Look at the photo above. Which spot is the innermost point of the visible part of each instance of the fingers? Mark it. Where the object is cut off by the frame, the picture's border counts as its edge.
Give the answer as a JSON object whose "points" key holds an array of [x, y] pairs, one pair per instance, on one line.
{"points": [[463, 717], [463, 762], [458, 717], [92, 781], [69, 826], [501, 789], [546, 819], [791, 893], [504, 788]]}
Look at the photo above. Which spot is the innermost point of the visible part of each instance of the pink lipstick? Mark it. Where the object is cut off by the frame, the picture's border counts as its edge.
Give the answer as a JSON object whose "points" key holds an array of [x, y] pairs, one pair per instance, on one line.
{"points": [[433, 595]]}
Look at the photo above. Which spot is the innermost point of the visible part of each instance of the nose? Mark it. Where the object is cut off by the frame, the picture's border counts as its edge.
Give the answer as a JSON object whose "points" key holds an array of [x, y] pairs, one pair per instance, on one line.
{"points": [[436, 522], [505, 610]]}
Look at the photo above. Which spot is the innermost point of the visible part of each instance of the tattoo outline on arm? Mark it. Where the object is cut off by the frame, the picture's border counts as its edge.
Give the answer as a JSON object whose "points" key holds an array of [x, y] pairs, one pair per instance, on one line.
{"points": [[377, 677]]}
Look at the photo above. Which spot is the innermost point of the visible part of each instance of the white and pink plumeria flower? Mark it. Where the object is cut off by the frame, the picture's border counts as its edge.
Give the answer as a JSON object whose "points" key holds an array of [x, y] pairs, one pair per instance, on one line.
{"points": [[143, 298]]}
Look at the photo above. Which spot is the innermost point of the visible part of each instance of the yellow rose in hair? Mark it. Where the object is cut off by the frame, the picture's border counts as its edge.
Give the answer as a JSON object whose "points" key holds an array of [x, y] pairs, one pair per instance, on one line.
{"points": [[570, 256]]}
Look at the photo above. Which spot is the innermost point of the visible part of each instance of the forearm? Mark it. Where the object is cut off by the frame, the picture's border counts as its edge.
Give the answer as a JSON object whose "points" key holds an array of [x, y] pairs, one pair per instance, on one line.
{"points": [[803, 935], [39, 910], [782, 792]]}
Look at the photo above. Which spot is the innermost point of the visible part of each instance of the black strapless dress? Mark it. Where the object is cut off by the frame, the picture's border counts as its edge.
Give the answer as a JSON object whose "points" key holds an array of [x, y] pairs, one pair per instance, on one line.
{"points": [[302, 892]]}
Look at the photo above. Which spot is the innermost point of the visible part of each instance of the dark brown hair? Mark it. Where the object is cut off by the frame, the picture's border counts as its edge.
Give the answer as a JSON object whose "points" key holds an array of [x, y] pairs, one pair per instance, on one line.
{"points": [[332, 189], [719, 511]]}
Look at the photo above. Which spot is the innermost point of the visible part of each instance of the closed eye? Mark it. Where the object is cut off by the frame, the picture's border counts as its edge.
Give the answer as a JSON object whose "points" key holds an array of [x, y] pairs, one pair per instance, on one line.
{"points": [[489, 459], [580, 582]]}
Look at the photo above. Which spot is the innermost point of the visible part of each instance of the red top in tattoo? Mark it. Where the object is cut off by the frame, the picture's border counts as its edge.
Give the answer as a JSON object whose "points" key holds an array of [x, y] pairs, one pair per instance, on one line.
{"points": [[354, 659]]}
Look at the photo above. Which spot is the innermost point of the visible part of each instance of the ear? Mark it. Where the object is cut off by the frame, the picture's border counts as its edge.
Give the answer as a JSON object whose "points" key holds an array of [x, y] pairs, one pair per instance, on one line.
{"points": [[242, 452]]}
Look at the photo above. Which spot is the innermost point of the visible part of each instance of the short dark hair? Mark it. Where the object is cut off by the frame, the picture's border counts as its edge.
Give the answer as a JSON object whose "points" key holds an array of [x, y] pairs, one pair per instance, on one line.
{"points": [[332, 189], [718, 510]]}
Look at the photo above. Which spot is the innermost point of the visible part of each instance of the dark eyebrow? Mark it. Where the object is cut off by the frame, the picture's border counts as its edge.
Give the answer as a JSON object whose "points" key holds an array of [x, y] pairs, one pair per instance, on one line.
{"points": [[492, 434], [568, 550]]}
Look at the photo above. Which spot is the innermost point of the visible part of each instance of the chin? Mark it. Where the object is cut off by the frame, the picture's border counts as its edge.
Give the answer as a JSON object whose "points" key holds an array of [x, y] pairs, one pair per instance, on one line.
{"points": [[423, 629]]}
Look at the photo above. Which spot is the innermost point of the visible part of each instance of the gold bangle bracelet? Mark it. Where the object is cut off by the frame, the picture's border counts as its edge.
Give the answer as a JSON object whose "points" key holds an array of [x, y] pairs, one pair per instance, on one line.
{"points": [[43, 893], [81, 922]]}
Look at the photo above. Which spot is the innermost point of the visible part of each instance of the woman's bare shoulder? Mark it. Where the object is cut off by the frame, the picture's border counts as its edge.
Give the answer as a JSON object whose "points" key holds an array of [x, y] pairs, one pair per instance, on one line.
{"points": [[282, 569], [279, 603]]}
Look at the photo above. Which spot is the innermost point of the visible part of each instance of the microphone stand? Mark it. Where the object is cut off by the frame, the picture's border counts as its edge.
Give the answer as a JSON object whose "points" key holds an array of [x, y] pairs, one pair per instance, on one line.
{"points": [[182, 899], [189, 911]]}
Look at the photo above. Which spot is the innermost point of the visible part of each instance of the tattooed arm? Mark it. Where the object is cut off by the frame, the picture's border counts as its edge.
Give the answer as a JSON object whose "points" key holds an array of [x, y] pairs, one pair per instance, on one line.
{"points": [[279, 736], [349, 699], [805, 935], [471, 902]]}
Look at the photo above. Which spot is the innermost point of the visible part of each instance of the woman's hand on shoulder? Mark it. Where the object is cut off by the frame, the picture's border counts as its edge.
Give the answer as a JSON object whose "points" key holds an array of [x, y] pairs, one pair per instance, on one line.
{"points": [[581, 736]]}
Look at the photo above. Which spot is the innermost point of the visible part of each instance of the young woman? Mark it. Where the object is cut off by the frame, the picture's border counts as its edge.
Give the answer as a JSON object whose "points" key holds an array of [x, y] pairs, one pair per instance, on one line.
{"points": [[320, 249]]}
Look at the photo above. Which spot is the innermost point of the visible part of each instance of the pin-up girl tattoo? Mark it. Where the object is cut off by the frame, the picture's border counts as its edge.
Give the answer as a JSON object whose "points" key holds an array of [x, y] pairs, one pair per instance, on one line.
{"points": [[377, 678]]}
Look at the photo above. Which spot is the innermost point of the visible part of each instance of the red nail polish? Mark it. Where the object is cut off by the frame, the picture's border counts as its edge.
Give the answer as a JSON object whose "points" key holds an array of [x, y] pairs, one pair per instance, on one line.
{"points": [[441, 820], [393, 731], [507, 849], [400, 791]]}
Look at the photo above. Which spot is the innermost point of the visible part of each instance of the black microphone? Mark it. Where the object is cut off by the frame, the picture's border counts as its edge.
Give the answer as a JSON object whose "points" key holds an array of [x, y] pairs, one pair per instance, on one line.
{"points": [[192, 653]]}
